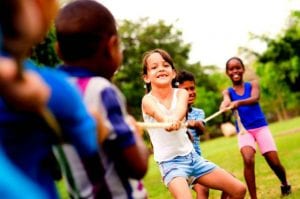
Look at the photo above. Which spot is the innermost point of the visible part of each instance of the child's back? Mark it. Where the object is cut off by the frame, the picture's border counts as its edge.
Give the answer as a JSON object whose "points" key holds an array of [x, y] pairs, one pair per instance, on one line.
{"points": [[92, 63]]}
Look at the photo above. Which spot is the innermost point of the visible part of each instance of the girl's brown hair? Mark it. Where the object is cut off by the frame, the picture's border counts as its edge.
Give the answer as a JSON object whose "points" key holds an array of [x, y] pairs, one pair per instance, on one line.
{"points": [[165, 55]]}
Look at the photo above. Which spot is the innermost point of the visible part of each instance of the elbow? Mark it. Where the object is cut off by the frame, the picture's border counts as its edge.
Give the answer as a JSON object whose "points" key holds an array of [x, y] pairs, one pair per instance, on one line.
{"points": [[256, 99], [136, 164], [139, 172], [136, 169]]}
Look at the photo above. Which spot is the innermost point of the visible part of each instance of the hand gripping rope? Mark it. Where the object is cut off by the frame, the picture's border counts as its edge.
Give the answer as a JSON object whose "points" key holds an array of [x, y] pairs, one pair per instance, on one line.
{"points": [[183, 124]]}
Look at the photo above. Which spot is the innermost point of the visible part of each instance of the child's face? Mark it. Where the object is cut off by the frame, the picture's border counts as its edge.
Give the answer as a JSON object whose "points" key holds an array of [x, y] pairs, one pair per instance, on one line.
{"points": [[159, 71], [235, 71], [190, 87]]}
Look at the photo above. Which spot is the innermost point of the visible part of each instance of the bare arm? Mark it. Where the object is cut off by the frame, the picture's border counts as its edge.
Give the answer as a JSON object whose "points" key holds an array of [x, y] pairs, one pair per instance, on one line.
{"points": [[129, 150], [182, 104], [30, 93], [226, 100], [139, 149], [149, 106], [196, 124]]}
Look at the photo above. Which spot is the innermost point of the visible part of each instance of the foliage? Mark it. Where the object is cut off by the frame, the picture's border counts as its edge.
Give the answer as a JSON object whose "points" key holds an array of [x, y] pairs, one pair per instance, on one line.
{"points": [[278, 67], [141, 36], [137, 38], [279, 70], [44, 53]]}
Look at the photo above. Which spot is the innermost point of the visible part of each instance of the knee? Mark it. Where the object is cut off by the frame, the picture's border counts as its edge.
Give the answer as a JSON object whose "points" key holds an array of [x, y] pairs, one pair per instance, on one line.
{"points": [[240, 191], [249, 161]]}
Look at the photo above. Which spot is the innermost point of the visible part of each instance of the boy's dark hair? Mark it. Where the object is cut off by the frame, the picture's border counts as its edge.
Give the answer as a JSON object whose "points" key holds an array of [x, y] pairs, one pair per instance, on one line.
{"points": [[80, 26], [183, 76]]}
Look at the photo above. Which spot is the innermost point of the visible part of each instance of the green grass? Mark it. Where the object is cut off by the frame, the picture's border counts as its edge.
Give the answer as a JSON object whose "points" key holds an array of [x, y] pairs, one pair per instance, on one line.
{"points": [[224, 152]]}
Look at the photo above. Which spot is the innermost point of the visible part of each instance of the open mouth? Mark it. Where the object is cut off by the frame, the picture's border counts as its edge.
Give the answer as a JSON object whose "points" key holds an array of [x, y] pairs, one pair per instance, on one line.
{"points": [[236, 76], [162, 76]]}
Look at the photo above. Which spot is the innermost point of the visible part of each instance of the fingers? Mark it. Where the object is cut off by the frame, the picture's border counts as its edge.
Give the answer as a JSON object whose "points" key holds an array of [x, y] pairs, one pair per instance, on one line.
{"points": [[29, 94], [175, 125], [8, 70], [133, 123], [102, 130]]}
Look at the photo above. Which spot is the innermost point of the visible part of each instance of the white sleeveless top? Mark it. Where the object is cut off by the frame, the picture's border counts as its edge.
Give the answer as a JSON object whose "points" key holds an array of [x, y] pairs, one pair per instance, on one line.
{"points": [[167, 145]]}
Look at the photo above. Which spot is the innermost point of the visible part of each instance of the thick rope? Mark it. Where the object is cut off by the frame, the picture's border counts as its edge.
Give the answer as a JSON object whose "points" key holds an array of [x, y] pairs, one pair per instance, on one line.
{"points": [[242, 129], [145, 125]]}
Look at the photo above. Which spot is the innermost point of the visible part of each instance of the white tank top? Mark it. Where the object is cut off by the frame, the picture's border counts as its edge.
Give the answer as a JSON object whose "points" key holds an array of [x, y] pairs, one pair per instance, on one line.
{"points": [[167, 145]]}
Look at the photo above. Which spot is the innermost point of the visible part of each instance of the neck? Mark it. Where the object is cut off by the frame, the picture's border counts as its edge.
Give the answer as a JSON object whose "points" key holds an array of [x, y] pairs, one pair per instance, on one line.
{"points": [[238, 84], [162, 92]]}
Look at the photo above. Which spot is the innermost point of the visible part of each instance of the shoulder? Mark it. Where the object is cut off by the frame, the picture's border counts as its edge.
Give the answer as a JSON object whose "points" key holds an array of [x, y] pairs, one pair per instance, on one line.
{"points": [[64, 95], [253, 83], [199, 110], [147, 98], [181, 92], [99, 83], [225, 91]]}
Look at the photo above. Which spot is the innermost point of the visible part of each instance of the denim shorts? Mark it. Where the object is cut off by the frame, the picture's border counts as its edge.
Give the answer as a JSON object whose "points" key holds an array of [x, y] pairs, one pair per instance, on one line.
{"points": [[188, 166]]}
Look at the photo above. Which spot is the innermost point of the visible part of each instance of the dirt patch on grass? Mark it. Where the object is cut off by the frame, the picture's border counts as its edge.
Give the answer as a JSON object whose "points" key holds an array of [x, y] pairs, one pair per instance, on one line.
{"points": [[290, 131]]}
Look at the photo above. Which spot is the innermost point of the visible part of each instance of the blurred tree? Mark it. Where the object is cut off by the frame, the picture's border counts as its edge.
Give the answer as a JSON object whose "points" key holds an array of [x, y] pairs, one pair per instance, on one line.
{"points": [[141, 36], [44, 53], [279, 70]]}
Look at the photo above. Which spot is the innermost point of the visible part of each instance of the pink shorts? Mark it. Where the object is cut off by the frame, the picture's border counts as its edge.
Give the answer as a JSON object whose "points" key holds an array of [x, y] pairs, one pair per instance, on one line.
{"points": [[262, 136]]}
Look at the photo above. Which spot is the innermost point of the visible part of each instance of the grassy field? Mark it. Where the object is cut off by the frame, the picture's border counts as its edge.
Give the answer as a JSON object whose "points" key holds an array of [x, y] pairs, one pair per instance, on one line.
{"points": [[224, 152]]}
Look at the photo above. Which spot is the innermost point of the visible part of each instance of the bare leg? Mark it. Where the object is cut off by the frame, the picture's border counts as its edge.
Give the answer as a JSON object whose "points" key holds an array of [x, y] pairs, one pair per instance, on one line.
{"points": [[249, 169], [201, 191], [179, 188], [275, 164], [222, 180], [224, 195]]}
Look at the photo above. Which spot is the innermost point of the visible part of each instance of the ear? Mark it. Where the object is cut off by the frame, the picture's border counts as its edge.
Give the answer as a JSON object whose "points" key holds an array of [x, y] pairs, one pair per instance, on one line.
{"points": [[114, 49], [226, 72], [146, 79], [174, 74]]}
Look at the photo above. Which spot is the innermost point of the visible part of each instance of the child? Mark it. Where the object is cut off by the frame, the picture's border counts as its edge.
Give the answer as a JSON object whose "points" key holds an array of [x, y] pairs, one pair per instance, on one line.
{"points": [[88, 44], [244, 96], [195, 120], [172, 148], [13, 182], [25, 135]]}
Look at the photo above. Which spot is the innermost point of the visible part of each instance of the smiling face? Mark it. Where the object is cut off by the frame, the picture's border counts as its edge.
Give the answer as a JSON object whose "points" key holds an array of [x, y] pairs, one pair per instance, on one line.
{"points": [[235, 70], [159, 71], [190, 87]]}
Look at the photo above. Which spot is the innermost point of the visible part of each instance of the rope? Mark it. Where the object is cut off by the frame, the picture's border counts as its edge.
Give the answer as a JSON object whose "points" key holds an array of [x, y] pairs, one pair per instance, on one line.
{"points": [[145, 125], [239, 123], [52, 122], [59, 152]]}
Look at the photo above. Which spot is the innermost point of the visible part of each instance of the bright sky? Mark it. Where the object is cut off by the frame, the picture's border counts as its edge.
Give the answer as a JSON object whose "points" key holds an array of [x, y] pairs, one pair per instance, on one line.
{"points": [[215, 28]]}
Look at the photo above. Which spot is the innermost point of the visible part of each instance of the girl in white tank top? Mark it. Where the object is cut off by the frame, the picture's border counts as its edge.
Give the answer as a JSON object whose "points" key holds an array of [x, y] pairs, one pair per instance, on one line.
{"points": [[167, 145]]}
